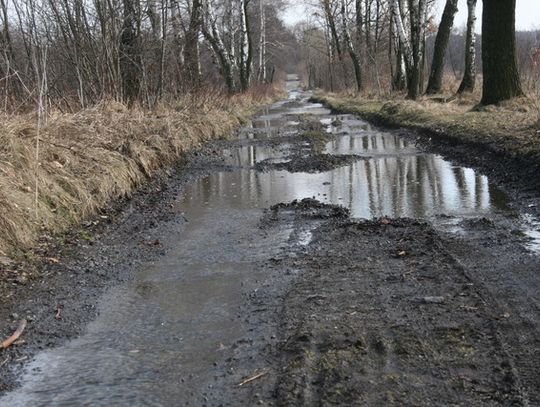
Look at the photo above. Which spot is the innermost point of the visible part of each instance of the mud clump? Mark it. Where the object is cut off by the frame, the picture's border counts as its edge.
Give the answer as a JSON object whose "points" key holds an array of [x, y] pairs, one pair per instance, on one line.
{"points": [[311, 163], [308, 208], [313, 208]]}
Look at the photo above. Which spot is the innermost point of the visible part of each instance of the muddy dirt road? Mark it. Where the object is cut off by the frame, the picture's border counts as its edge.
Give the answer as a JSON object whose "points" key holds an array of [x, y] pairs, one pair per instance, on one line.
{"points": [[312, 260]]}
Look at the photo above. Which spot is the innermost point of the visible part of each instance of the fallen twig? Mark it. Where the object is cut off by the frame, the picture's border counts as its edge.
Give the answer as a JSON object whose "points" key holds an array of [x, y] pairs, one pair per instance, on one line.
{"points": [[58, 314], [257, 376], [16, 335]]}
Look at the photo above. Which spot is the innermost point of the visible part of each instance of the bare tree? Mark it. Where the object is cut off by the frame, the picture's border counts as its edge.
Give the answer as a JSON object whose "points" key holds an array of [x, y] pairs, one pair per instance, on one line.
{"points": [[469, 75], [262, 70], [350, 46], [441, 44], [214, 36], [191, 49], [246, 46], [130, 52], [418, 18]]}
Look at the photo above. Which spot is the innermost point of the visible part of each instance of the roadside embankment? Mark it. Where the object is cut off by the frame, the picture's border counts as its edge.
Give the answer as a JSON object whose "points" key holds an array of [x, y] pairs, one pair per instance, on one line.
{"points": [[54, 175], [508, 133]]}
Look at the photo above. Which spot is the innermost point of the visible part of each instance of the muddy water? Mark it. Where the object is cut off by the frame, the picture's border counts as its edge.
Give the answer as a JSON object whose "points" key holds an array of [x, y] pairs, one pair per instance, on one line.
{"points": [[161, 339]]}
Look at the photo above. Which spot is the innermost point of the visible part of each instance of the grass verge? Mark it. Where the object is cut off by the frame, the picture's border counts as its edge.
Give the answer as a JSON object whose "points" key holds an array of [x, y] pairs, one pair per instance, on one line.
{"points": [[53, 177]]}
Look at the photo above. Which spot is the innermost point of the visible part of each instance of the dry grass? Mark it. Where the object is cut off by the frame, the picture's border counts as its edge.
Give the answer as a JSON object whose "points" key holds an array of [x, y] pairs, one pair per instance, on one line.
{"points": [[89, 158], [511, 128]]}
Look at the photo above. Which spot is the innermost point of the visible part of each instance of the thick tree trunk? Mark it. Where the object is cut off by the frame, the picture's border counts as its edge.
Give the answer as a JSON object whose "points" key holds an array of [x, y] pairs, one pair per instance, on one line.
{"points": [[501, 76], [469, 76], [441, 44]]}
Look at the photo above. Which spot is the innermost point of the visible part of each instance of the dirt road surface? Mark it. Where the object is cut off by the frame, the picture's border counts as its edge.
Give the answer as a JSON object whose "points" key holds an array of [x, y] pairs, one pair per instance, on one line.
{"points": [[311, 260]]}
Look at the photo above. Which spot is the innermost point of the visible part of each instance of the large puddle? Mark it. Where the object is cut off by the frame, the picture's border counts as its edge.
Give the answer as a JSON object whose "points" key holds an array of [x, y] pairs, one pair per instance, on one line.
{"points": [[160, 339], [417, 186]]}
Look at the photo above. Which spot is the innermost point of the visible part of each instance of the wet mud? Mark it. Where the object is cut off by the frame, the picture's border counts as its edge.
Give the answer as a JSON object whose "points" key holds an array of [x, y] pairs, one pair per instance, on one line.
{"points": [[383, 314], [312, 260], [312, 163]]}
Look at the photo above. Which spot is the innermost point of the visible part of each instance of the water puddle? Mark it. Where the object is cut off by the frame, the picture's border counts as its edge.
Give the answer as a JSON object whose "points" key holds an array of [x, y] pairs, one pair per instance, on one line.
{"points": [[160, 339], [370, 144], [252, 154], [532, 231], [418, 186]]}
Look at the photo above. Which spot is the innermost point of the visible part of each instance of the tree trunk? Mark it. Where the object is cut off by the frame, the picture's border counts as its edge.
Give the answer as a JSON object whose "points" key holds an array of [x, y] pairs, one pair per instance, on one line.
{"points": [[261, 74], [501, 76], [130, 53], [441, 44], [469, 76], [359, 20], [417, 11], [404, 45], [332, 26], [213, 36], [191, 49], [246, 48], [403, 49], [352, 52]]}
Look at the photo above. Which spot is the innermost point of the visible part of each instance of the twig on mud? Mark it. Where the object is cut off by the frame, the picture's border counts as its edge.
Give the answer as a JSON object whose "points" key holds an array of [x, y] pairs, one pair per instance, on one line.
{"points": [[16, 335], [257, 376], [58, 314], [4, 362]]}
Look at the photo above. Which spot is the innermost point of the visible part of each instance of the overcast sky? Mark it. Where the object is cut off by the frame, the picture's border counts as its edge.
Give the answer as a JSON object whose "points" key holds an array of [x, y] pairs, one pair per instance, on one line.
{"points": [[527, 13]]}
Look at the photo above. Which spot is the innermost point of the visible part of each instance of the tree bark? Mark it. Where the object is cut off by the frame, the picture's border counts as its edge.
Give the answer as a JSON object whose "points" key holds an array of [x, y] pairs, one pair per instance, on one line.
{"points": [[130, 53], [501, 76], [441, 44], [352, 52], [332, 26], [191, 48], [246, 48], [417, 12], [469, 76], [213, 36], [261, 74]]}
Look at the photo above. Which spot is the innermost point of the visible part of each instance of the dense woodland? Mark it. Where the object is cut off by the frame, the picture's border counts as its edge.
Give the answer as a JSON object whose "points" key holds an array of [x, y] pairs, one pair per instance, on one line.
{"points": [[70, 54]]}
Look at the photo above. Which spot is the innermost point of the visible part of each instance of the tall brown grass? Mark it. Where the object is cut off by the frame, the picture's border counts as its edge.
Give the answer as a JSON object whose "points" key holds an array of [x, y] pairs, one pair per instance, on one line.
{"points": [[89, 158]]}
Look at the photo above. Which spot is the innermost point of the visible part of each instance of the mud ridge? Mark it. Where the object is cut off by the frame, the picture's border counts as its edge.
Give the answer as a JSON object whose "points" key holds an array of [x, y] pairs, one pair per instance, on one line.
{"points": [[311, 163]]}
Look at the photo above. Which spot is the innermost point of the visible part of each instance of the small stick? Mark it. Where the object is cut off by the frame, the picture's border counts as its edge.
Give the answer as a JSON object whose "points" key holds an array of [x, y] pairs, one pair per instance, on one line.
{"points": [[16, 335], [257, 376], [58, 312]]}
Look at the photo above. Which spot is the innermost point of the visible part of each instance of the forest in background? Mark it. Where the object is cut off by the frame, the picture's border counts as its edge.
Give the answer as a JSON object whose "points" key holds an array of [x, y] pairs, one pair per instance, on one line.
{"points": [[72, 54]]}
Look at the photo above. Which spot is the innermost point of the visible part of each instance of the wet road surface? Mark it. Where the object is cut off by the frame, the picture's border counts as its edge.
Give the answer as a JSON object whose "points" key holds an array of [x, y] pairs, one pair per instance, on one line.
{"points": [[163, 338]]}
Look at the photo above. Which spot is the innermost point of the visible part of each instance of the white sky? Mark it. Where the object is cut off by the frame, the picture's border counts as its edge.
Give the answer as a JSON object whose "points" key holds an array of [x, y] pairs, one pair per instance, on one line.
{"points": [[527, 13]]}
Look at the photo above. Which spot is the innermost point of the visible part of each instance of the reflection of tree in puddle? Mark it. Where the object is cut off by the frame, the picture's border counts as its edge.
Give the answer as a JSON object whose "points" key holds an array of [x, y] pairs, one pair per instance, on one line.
{"points": [[404, 186]]}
